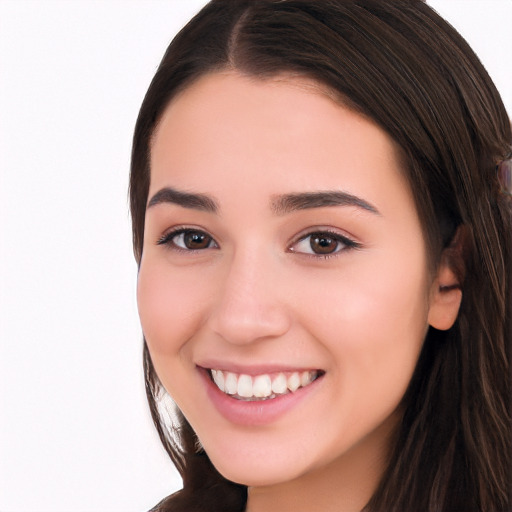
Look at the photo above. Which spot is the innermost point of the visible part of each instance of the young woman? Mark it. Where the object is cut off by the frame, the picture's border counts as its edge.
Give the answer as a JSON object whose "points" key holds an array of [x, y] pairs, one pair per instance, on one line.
{"points": [[323, 230]]}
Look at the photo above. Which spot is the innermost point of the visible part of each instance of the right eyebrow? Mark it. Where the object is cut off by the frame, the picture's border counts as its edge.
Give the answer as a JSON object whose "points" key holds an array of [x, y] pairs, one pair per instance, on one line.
{"points": [[185, 199]]}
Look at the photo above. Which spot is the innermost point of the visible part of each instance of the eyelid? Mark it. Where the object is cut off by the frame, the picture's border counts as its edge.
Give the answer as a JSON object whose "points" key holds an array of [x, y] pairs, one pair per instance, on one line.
{"points": [[349, 242], [166, 238]]}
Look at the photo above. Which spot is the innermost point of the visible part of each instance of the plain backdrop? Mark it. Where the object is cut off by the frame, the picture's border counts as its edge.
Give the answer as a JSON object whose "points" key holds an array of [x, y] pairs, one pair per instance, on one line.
{"points": [[75, 432]]}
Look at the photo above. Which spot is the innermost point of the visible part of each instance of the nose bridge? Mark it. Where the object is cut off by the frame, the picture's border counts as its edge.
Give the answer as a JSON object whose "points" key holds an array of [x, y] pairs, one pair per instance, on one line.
{"points": [[249, 306]]}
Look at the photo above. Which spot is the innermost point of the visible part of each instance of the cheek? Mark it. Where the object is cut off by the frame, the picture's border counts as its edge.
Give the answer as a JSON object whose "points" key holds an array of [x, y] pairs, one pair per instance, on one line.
{"points": [[373, 322], [168, 308], [376, 302]]}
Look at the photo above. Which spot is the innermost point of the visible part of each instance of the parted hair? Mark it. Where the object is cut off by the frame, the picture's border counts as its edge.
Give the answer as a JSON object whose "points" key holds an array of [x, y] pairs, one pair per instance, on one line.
{"points": [[398, 63]]}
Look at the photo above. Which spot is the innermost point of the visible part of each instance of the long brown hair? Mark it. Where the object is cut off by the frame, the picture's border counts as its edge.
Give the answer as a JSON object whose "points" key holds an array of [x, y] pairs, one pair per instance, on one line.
{"points": [[401, 65]]}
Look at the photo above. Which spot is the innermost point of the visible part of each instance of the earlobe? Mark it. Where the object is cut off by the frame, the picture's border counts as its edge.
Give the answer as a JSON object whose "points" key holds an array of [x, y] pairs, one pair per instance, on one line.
{"points": [[445, 299], [446, 291]]}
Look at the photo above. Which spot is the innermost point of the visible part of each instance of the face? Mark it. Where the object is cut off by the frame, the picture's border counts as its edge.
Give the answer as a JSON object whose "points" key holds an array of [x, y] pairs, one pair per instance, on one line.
{"points": [[283, 289]]}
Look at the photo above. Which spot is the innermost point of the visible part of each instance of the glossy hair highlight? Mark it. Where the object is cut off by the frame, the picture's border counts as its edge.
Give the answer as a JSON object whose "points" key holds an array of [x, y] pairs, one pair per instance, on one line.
{"points": [[401, 65]]}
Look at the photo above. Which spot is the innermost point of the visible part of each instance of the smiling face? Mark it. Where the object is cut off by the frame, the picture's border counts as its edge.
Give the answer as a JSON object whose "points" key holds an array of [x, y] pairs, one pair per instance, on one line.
{"points": [[283, 251]]}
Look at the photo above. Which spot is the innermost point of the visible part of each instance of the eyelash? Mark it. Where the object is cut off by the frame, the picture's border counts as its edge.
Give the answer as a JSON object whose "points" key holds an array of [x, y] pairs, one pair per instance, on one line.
{"points": [[168, 239], [348, 243]]}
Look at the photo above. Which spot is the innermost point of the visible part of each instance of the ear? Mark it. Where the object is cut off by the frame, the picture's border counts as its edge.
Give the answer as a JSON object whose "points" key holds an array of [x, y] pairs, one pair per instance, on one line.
{"points": [[446, 291]]}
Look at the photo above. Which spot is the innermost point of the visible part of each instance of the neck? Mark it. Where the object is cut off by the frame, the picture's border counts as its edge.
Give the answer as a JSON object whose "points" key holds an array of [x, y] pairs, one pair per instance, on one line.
{"points": [[344, 485]]}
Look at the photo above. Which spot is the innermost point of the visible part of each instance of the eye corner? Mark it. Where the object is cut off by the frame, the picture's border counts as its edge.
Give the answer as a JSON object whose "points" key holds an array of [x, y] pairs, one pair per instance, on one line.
{"points": [[183, 239], [324, 237]]}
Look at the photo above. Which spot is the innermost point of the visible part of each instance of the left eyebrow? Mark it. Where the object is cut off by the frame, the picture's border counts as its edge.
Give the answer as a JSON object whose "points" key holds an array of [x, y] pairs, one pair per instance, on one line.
{"points": [[288, 203]]}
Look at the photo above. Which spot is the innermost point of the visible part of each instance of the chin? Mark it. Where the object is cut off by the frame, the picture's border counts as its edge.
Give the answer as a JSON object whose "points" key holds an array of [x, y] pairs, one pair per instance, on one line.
{"points": [[256, 472]]}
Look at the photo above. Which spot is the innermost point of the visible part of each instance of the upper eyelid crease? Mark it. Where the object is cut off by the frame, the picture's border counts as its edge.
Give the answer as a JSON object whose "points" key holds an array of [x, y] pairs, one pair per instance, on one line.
{"points": [[344, 239]]}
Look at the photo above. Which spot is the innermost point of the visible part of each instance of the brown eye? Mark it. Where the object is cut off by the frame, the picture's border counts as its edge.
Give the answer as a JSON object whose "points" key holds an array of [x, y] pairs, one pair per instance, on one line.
{"points": [[196, 240], [188, 240], [323, 243]]}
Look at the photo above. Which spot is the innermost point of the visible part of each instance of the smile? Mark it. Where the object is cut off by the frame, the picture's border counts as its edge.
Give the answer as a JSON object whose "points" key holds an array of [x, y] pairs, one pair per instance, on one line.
{"points": [[264, 386]]}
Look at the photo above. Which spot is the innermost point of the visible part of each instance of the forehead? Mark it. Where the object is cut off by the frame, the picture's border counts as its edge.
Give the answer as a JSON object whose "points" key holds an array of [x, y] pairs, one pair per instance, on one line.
{"points": [[285, 125], [234, 136]]}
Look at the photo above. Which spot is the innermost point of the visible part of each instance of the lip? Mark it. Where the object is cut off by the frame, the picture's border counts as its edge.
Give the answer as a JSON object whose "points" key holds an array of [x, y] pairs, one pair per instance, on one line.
{"points": [[255, 413]]}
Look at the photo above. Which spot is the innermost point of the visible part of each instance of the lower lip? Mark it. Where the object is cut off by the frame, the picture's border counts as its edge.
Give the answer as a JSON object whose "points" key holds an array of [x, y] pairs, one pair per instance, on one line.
{"points": [[258, 412]]}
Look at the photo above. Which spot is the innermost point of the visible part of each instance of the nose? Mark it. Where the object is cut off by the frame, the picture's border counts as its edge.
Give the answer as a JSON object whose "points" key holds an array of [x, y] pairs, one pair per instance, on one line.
{"points": [[251, 305]]}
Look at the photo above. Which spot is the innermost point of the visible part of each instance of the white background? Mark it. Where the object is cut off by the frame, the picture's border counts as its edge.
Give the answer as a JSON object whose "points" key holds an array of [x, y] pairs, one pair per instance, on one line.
{"points": [[75, 432]]}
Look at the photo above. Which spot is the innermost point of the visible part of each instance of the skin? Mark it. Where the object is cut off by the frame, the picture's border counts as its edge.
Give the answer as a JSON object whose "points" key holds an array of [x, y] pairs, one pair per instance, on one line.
{"points": [[260, 295]]}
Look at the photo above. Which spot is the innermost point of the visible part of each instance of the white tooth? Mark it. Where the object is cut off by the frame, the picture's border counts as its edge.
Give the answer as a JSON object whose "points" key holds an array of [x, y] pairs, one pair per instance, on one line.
{"points": [[244, 388], [218, 378], [262, 386], [293, 382], [279, 384], [306, 378], [230, 383]]}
